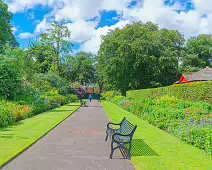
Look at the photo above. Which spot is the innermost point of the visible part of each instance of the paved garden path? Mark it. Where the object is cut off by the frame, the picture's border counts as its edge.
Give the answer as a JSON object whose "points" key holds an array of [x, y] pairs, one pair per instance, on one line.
{"points": [[76, 144]]}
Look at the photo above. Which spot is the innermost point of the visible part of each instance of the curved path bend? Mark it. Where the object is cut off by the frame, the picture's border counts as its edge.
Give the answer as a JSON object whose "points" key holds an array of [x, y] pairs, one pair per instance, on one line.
{"points": [[76, 144]]}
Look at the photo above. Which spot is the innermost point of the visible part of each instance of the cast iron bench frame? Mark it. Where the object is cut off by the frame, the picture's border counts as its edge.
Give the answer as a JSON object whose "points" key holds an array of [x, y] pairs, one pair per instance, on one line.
{"points": [[121, 136], [83, 103]]}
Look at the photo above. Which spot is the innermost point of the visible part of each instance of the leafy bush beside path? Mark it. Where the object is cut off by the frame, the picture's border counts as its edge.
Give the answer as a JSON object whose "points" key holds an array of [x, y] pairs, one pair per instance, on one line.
{"points": [[189, 121]]}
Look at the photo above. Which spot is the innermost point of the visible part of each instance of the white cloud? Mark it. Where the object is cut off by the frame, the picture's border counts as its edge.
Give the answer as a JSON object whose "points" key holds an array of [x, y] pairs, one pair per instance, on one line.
{"points": [[92, 45], [42, 26], [20, 5], [86, 9], [203, 7], [83, 31], [25, 35], [14, 30], [189, 23]]}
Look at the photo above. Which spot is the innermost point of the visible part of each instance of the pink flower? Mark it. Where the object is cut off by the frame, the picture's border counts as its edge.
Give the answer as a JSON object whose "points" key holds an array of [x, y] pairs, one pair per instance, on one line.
{"points": [[187, 114], [209, 115]]}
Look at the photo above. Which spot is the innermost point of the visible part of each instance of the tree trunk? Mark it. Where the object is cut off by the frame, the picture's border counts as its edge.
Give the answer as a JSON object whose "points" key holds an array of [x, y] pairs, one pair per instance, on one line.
{"points": [[100, 87], [123, 92]]}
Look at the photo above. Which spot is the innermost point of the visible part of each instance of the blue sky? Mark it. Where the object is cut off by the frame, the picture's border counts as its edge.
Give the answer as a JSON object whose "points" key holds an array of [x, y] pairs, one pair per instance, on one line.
{"points": [[89, 19]]}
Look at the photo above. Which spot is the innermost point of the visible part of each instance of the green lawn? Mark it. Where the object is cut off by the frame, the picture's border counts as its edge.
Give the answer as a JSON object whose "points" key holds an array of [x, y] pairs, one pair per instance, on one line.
{"points": [[155, 149], [17, 138]]}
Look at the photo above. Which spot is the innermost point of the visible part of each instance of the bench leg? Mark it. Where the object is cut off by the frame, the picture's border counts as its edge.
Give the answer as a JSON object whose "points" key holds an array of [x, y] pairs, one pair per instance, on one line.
{"points": [[129, 154], [112, 150], [106, 136]]}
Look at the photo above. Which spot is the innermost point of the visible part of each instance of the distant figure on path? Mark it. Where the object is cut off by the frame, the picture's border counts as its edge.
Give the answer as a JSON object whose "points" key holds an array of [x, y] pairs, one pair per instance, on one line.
{"points": [[90, 97]]}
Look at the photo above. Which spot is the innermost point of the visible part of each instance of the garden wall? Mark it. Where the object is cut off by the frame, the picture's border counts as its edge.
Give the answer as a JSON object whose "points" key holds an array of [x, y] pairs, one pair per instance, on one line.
{"points": [[199, 91]]}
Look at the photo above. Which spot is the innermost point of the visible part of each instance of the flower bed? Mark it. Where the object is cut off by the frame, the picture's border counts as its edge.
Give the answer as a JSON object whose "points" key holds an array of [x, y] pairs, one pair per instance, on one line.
{"points": [[189, 121], [11, 112]]}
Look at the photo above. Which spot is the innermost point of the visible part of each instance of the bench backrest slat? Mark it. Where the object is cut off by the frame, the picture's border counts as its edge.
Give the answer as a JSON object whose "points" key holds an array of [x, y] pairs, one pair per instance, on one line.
{"points": [[126, 127]]}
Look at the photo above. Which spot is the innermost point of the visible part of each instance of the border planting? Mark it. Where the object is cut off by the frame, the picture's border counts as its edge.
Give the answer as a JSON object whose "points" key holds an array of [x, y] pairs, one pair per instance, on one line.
{"points": [[17, 138], [157, 149]]}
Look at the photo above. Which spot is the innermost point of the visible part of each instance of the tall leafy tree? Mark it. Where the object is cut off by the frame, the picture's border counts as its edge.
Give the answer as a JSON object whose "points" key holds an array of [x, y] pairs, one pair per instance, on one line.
{"points": [[83, 68], [12, 71], [199, 54], [40, 57], [57, 37], [140, 56], [6, 35], [79, 68]]}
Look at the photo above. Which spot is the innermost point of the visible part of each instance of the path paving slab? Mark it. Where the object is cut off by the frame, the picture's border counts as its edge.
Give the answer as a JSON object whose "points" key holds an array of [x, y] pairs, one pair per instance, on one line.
{"points": [[76, 144]]}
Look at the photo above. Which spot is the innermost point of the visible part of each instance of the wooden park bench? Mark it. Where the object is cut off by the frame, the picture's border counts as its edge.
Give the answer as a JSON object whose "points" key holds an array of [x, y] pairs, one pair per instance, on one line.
{"points": [[121, 136]]}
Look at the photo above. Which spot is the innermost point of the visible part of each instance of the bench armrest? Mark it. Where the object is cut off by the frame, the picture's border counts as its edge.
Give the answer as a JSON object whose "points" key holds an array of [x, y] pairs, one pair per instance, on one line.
{"points": [[116, 124]]}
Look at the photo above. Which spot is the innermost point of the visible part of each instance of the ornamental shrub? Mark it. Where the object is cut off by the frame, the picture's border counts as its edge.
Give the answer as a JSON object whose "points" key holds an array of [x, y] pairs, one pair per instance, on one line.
{"points": [[10, 81], [6, 116]]}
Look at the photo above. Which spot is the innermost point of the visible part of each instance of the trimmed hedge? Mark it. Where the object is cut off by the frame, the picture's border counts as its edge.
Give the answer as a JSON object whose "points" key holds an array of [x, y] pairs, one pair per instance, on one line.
{"points": [[199, 91]]}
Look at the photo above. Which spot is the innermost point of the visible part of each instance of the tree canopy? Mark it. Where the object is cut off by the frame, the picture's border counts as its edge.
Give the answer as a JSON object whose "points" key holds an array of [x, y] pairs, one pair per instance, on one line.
{"points": [[6, 35], [56, 39], [198, 54], [137, 56], [140, 56]]}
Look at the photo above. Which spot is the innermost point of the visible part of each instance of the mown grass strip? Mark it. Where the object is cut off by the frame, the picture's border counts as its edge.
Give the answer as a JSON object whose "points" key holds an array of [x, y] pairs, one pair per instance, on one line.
{"points": [[15, 139], [155, 149]]}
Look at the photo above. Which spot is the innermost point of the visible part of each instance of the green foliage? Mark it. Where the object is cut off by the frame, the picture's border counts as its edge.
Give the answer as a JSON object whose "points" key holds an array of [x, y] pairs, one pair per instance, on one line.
{"points": [[189, 121], [46, 82], [11, 112], [39, 57], [56, 82], [55, 100], [79, 68], [55, 38], [6, 35], [109, 95], [16, 58], [10, 80], [140, 56], [59, 100], [199, 91], [20, 111], [6, 116], [40, 106], [72, 98], [198, 54], [191, 63], [202, 47], [31, 105]]}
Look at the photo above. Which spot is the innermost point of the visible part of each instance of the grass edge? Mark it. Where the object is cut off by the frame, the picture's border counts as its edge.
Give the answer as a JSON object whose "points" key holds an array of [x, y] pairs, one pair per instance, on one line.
{"points": [[25, 148]]}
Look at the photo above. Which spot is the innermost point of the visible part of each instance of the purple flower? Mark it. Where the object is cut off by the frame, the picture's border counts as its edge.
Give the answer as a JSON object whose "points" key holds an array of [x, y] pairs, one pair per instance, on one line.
{"points": [[187, 114]]}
